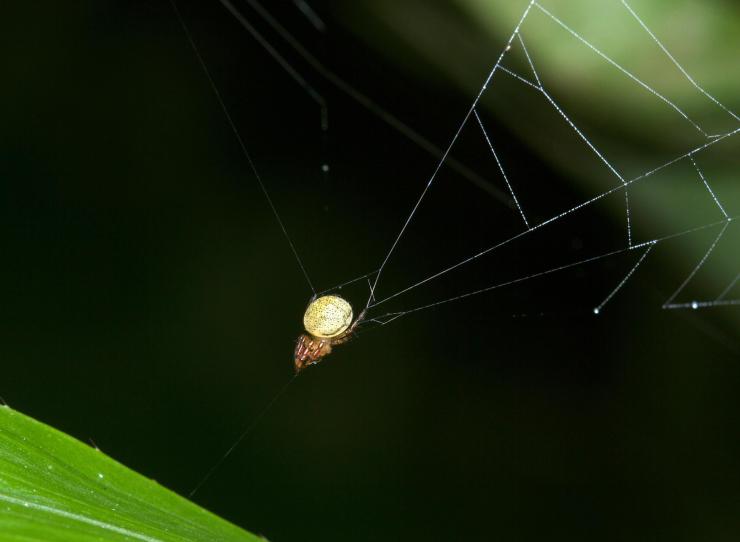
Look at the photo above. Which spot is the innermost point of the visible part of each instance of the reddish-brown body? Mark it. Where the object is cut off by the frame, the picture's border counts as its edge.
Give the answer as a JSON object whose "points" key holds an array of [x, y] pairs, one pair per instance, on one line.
{"points": [[310, 350]]}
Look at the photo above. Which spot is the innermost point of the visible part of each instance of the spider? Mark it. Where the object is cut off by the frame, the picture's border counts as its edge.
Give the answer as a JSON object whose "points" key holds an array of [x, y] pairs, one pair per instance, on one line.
{"points": [[328, 322]]}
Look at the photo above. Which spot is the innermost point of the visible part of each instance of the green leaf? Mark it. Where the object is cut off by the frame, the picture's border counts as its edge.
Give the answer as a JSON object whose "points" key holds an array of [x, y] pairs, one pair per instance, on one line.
{"points": [[54, 488]]}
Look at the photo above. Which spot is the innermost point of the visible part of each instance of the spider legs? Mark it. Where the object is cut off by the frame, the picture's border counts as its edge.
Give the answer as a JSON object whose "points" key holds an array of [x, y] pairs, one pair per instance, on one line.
{"points": [[350, 333]]}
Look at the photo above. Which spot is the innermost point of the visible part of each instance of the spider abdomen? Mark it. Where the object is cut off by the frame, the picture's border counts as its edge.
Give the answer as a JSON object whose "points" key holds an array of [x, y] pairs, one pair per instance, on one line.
{"points": [[327, 316]]}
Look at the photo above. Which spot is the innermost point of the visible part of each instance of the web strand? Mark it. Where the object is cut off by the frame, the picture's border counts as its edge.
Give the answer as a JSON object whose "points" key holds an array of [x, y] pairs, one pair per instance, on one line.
{"points": [[449, 147], [239, 139], [624, 70], [540, 88], [347, 283], [703, 304], [629, 221], [507, 283], [391, 316], [728, 289], [529, 60], [365, 101], [501, 168], [556, 218], [597, 309], [706, 184], [675, 62], [669, 301], [244, 434]]}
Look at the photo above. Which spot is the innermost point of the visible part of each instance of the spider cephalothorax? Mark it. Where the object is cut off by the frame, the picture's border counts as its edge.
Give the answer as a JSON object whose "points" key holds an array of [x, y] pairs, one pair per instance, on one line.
{"points": [[328, 322]]}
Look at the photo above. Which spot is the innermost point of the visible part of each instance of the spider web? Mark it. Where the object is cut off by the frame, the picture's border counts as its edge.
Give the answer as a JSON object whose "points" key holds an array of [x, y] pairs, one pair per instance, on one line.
{"points": [[531, 80], [624, 184], [530, 222]]}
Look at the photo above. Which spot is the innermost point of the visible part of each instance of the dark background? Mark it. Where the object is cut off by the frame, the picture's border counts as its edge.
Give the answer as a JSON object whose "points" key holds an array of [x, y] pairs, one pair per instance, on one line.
{"points": [[151, 303]]}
